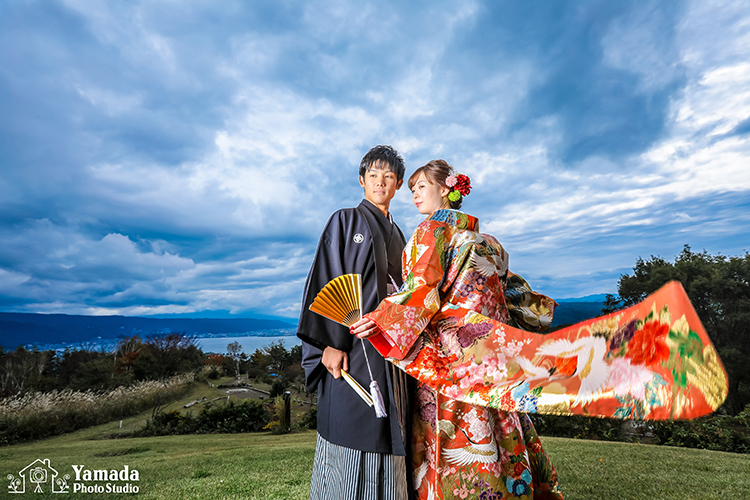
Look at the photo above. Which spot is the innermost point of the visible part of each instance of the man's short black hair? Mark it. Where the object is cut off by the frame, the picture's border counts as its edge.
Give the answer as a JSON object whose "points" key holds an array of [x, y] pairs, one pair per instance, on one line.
{"points": [[385, 155]]}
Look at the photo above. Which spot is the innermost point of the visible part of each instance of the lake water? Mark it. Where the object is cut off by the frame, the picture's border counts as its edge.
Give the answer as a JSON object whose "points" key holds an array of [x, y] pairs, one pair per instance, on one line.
{"points": [[249, 344], [207, 344]]}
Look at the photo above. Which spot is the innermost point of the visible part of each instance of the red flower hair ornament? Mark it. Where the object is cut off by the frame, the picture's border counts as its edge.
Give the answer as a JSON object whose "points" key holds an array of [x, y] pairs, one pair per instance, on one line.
{"points": [[460, 185]]}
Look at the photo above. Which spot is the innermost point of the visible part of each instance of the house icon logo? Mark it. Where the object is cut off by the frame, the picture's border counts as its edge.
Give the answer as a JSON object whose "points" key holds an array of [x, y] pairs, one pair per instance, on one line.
{"points": [[40, 475]]}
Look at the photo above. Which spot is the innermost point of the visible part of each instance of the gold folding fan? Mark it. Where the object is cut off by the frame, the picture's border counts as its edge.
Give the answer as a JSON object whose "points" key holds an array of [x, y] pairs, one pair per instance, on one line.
{"points": [[340, 300]]}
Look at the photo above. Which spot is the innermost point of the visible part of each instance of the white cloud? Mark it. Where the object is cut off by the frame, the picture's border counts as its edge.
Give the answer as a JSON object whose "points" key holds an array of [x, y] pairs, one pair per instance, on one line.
{"points": [[717, 102], [125, 27], [714, 33], [10, 279], [637, 42], [111, 102], [699, 153]]}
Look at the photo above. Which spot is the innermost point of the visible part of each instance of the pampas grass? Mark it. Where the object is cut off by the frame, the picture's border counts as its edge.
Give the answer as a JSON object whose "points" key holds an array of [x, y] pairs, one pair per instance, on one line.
{"points": [[38, 415]]}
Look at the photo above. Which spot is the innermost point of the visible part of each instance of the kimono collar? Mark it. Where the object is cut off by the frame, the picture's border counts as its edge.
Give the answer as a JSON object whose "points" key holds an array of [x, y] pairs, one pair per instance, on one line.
{"points": [[376, 211], [456, 218]]}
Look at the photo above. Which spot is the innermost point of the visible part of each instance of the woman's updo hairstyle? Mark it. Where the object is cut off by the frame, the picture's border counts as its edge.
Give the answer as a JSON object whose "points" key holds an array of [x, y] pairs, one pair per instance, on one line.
{"points": [[436, 171]]}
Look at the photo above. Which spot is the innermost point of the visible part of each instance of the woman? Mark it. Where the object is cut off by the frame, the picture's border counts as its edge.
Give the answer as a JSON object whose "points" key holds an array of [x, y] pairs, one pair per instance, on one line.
{"points": [[460, 450]]}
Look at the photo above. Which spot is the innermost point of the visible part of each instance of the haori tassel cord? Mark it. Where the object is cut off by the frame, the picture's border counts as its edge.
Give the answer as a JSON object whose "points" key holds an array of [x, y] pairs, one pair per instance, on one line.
{"points": [[377, 396]]}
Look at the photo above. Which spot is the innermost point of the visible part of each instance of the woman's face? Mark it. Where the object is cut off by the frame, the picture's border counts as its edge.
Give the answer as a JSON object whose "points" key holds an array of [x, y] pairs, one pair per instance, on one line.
{"points": [[428, 197]]}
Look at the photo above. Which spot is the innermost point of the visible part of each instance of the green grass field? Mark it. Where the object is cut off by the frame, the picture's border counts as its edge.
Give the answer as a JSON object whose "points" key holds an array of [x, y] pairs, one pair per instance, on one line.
{"points": [[266, 466]]}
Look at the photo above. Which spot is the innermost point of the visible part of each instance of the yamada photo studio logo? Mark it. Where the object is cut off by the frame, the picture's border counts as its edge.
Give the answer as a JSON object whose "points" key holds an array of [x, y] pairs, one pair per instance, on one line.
{"points": [[40, 477]]}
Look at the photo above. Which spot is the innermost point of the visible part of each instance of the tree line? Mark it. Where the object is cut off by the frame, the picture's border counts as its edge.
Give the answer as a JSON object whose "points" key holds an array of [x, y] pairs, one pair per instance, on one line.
{"points": [[133, 359]]}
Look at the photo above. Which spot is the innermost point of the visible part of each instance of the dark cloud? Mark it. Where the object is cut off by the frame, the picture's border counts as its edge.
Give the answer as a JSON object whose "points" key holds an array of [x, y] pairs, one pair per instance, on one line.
{"points": [[601, 110], [169, 159]]}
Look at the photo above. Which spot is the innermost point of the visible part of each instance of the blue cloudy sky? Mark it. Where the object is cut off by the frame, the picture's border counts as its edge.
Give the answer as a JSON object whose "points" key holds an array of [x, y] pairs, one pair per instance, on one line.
{"points": [[179, 157]]}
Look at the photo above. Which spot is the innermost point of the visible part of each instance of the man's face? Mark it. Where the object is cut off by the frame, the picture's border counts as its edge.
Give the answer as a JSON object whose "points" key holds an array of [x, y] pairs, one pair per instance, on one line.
{"points": [[380, 184]]}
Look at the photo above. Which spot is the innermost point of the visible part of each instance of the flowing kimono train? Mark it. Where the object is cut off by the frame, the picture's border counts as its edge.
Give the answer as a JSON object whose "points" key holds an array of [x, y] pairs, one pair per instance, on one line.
{"points": [[461, 324]]}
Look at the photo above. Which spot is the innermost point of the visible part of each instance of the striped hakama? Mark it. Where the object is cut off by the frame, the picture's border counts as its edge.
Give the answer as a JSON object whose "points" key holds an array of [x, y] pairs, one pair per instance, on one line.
{"points": [[341, 473]]}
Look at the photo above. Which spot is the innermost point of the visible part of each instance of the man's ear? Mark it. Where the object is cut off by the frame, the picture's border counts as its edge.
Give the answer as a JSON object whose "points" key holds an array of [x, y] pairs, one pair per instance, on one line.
{"points": [[361, 181], [398, 186]]}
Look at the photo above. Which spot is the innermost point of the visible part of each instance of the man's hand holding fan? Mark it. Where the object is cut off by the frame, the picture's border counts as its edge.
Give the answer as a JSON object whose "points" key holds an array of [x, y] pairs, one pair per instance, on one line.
{"points": [[341, 301]]}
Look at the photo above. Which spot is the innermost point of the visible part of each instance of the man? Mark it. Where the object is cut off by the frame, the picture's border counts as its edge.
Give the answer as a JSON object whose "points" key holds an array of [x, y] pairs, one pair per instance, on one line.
{"points": [[358, 455]]}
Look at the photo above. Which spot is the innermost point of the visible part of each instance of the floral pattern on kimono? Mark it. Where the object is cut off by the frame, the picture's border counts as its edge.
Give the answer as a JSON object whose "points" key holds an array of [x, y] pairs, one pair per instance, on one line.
{"points": [[462, 325], [652, 360], [463, 450]]}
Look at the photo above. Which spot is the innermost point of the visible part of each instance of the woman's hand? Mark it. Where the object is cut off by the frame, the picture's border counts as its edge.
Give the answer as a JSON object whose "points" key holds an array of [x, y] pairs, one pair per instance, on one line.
{"points": [[365, 328]]}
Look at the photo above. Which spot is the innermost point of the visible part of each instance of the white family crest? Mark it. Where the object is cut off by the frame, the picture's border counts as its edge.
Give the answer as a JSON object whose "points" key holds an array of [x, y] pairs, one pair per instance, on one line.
{"points": [[42, 476], [358, 238]]}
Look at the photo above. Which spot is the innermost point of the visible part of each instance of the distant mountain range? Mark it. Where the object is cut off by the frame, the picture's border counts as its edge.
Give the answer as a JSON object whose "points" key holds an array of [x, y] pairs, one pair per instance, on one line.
{"points": [[598, 298], [43, 329]]}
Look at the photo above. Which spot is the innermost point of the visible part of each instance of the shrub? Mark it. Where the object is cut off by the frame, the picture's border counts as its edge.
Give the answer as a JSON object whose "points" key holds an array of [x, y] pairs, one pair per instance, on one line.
{"points": [[278, 387], [246, 416], [310, 419], [718, 432], [172, 422], [255, 373], [208, 373], [578, 427]]}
